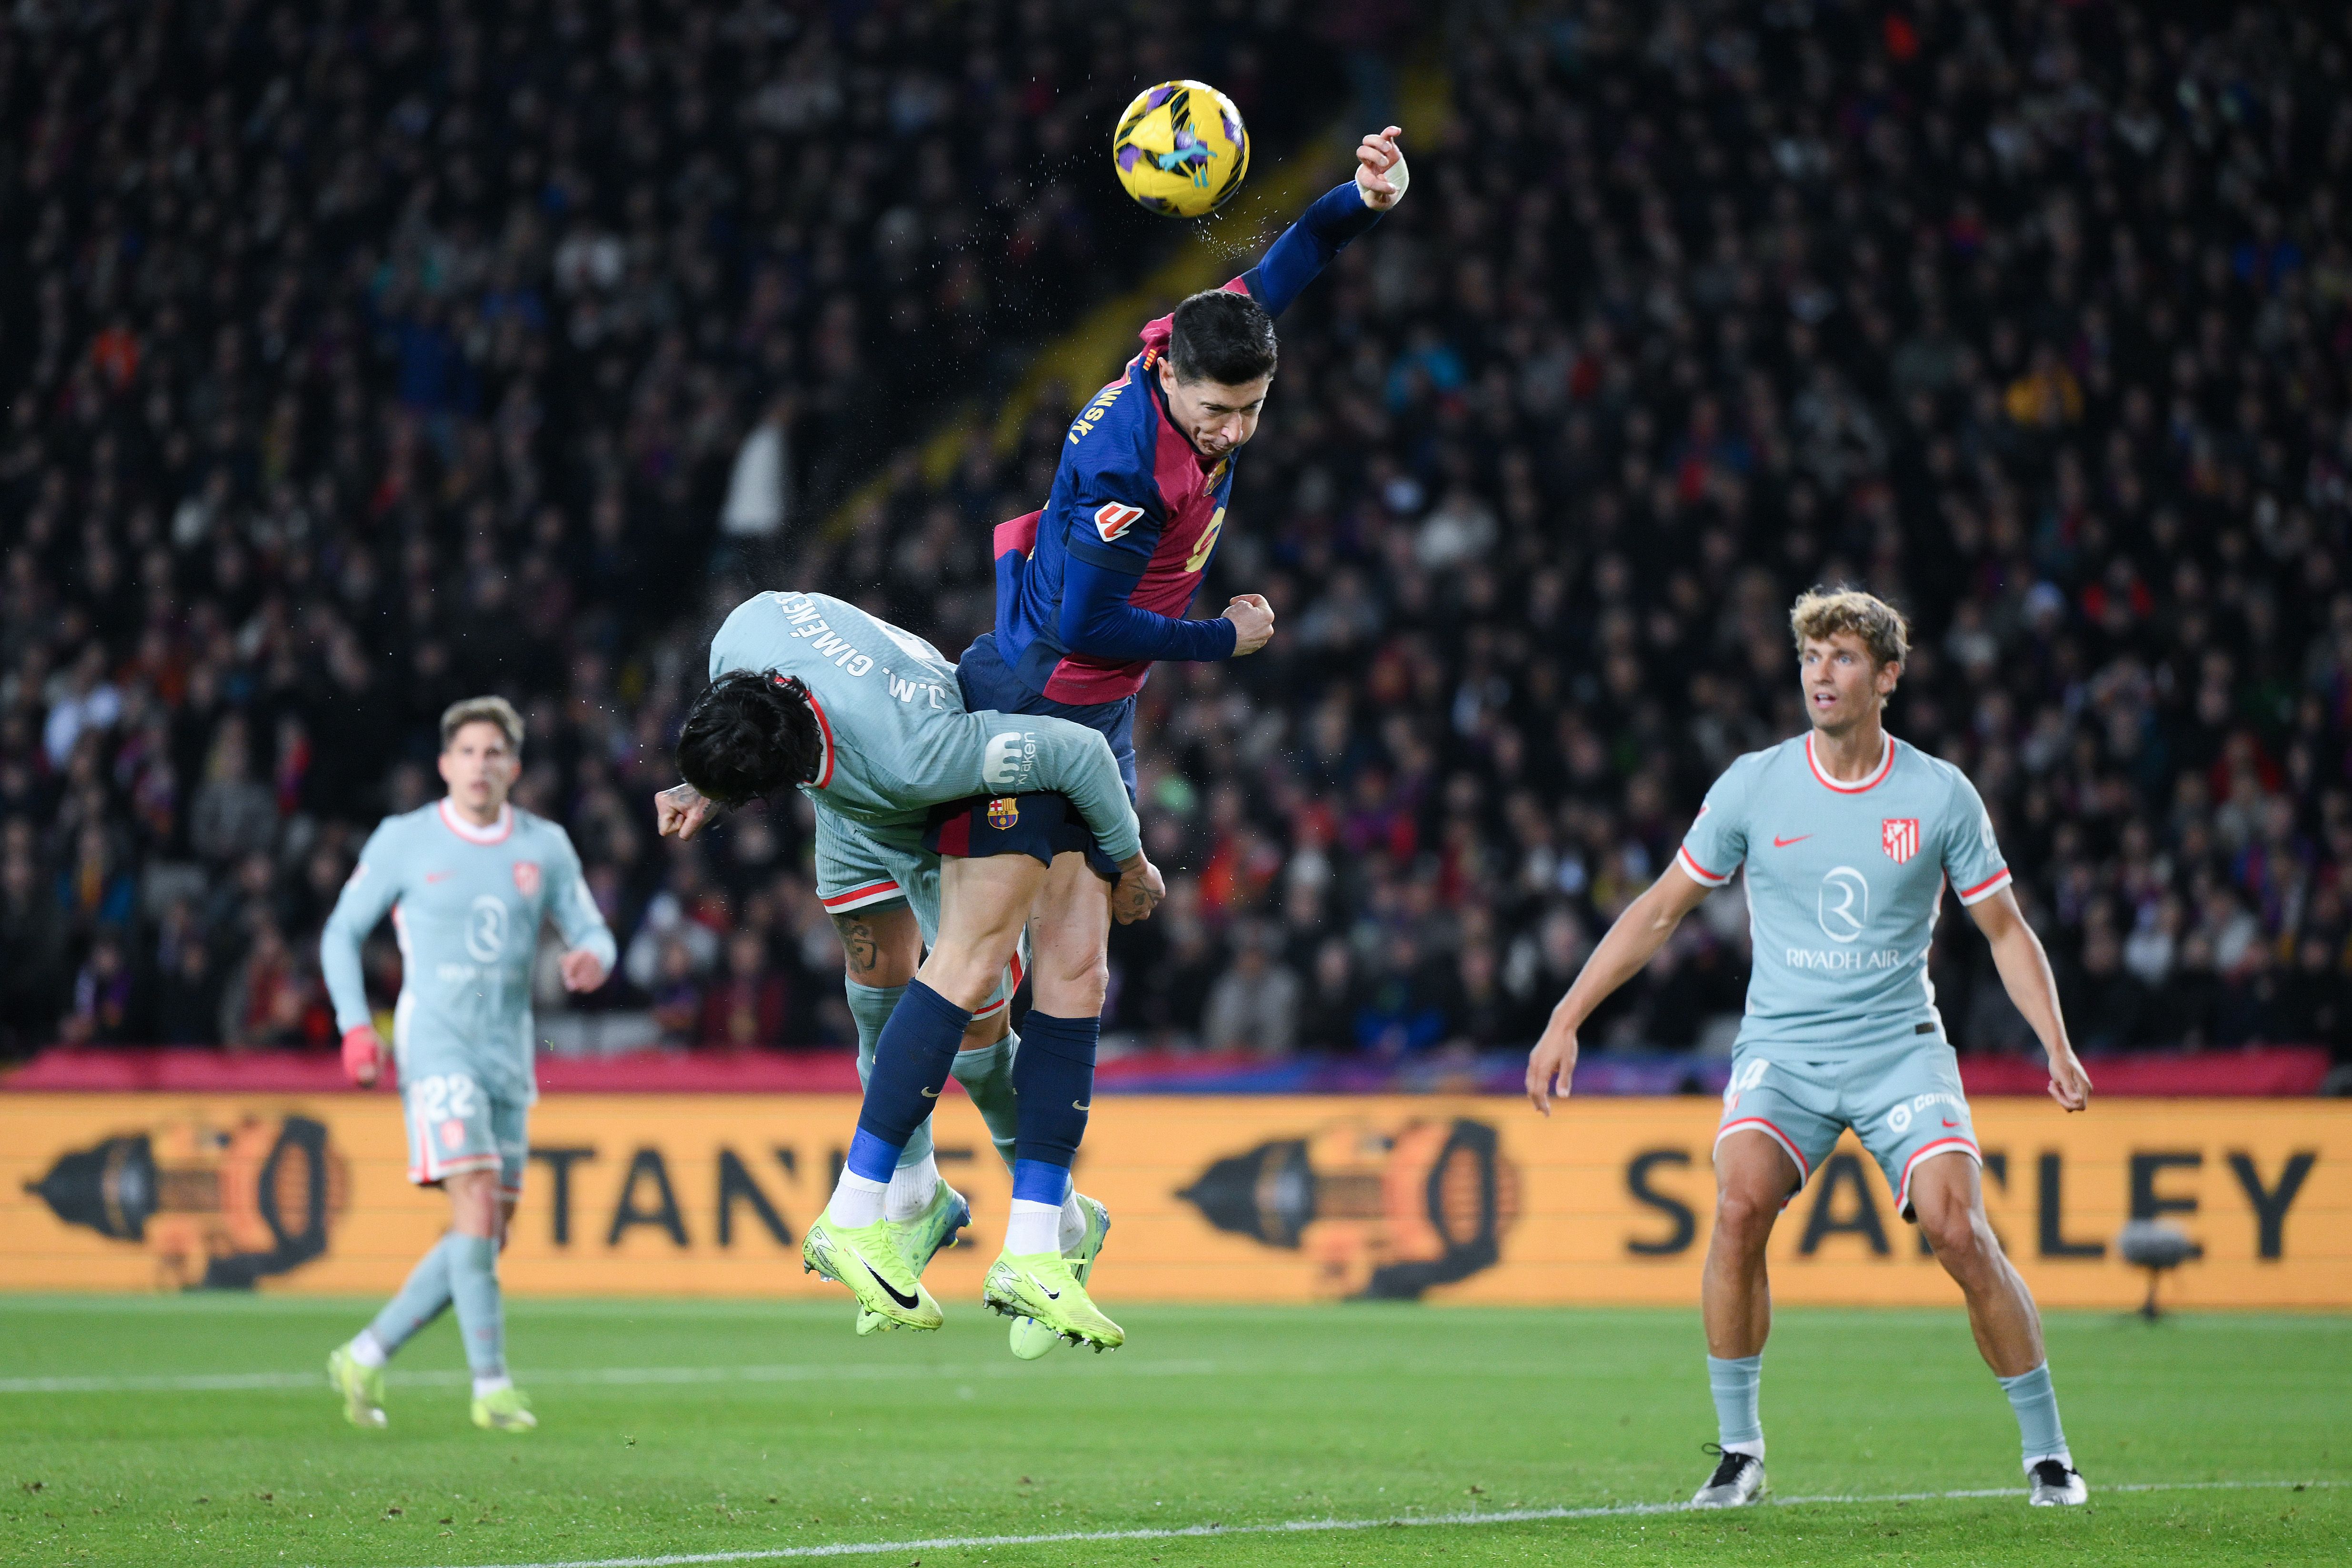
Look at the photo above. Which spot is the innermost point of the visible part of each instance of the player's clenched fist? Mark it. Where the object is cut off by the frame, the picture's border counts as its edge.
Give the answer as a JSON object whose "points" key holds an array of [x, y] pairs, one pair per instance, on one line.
{"points": [[1138, 892], [680, 810], [362, 1055], [1253, 619]]}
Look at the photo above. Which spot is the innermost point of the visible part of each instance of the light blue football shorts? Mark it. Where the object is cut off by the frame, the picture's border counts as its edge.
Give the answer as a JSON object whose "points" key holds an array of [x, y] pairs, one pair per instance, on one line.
{"points": [[858, 870], [1901, 1095], [455, 1125]]}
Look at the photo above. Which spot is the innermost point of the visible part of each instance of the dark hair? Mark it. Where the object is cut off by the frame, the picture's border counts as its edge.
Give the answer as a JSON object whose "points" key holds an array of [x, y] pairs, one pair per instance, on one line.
{"points": [[1221, 336], [749, 734]]}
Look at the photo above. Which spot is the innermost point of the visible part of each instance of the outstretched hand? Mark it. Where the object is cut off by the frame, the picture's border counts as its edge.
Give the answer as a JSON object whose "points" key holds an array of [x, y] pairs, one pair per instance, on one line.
{"points": [[1381, 172], [1551, 1067]]}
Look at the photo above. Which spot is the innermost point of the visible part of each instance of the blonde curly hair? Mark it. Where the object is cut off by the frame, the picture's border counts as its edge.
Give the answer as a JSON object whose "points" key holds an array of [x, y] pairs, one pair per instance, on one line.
{"points": [[1823, 612]]}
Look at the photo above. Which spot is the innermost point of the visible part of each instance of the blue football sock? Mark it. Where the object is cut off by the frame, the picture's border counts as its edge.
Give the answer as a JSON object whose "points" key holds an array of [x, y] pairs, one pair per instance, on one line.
{"points": [[1734, 1384], [423, 1297], [1053, 1078], [911, 1061], [2036, 1403], [474, 1285], [870, 1007]]}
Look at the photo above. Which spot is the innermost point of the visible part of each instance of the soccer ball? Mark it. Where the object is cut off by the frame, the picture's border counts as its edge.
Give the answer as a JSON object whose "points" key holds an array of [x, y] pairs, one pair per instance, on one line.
{"points": [[1180, 149]]}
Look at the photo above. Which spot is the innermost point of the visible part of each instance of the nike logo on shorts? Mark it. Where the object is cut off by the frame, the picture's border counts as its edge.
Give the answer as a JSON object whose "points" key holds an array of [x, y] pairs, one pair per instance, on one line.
{"points": [[889, 1289], [1780, 843]]}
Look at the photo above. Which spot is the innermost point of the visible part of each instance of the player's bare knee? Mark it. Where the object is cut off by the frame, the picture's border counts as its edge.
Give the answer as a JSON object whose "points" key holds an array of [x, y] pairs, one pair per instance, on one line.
{"points": [[1075, 988], [1744, 1217]]}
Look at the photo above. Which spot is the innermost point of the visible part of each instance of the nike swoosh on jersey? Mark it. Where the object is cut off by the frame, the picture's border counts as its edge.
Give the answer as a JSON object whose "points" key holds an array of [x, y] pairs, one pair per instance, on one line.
{"points": [[1780, 843], [888, 1288], [1951, 1123]]}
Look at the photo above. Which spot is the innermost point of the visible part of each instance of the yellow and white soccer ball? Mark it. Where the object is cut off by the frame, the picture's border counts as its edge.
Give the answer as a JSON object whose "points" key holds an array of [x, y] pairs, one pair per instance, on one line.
{"points": [[1181, 149]]}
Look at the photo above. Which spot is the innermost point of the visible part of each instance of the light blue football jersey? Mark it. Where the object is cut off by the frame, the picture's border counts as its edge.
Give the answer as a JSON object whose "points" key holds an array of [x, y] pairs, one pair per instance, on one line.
{"points": [[896, 739], [1844, 881], [465, 904]]}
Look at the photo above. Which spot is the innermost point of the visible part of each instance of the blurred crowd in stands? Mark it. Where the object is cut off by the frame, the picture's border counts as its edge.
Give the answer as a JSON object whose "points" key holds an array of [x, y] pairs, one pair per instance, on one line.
{"points": [[387, 370]]}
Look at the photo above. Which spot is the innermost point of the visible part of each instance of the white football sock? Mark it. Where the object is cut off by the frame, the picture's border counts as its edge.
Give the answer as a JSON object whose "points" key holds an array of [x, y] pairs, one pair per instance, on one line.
{"points": [[1073, 1222], [485, 1386], [1034, 1227], [366, 1349], [856, 1200], [911, 1187]]}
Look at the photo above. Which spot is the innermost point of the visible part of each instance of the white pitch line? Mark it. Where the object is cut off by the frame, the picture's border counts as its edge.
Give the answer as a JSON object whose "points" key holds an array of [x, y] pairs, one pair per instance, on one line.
{"points": [[1312, 1526], [604, 1376]]}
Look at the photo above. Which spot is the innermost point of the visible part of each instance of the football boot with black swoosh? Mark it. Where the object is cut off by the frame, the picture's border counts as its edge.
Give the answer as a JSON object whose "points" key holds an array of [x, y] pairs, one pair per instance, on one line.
{"points": [[868, 1261], [1039, 1286]]}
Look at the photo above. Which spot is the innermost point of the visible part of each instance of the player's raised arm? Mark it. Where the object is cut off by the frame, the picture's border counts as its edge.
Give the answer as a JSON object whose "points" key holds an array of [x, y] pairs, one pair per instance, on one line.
{"points": [[373, 888], [1631, 943], [1336, 219]]}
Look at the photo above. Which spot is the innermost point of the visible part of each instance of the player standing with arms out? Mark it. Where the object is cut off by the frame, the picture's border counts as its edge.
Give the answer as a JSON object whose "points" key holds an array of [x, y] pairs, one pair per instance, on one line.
{"points": [[467, 880], [869, 722], [1849, 837], [1091, 590]]}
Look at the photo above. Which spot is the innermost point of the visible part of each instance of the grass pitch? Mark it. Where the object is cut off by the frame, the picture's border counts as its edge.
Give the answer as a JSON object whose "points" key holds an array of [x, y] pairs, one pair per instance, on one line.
{"points": [[154, 1430]]}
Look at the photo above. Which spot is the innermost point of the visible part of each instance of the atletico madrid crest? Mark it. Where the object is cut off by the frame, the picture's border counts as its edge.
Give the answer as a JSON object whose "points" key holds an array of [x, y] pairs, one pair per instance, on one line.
{"points": [[1002, 812], [1900, 837], [526, 875]]}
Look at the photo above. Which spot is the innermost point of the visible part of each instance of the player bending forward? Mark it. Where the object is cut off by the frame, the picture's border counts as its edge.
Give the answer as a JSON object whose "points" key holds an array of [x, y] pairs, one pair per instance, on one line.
{"points": [[468, 881], [964, 813], [1849, 837]]}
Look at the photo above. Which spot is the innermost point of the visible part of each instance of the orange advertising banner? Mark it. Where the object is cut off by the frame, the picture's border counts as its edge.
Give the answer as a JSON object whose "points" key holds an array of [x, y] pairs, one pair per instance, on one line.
{"points": [[1299, 1199]]}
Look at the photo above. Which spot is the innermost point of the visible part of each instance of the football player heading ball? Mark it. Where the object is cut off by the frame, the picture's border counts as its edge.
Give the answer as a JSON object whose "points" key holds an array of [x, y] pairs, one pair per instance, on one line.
{"points": [[1092, 590]]}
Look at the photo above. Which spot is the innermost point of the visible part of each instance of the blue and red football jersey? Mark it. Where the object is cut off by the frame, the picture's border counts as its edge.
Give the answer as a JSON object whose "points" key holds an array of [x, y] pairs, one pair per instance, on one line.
{"points": [[1134, 501]]}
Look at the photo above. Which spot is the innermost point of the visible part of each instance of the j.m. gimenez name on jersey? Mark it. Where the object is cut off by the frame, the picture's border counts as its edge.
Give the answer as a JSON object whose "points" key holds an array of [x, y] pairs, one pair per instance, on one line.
{"points": [[895, 735], [465, 904], [1844, 881]]}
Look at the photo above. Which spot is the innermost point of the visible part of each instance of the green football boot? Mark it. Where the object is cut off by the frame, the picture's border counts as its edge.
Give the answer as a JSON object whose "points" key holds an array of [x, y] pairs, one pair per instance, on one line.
{"points": [[505, 1411], [867, 1260], [1032, 1339], [361, 1386], [1041, 1286], [920, 1240]]}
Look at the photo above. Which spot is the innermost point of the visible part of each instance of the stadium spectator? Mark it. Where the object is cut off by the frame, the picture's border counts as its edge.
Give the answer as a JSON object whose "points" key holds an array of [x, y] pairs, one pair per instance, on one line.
{"points": [[1255, 1004]]}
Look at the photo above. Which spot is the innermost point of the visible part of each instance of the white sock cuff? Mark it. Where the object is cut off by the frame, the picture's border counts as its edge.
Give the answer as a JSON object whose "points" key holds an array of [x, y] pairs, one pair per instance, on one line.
{"points": [[2062, 1456], [484, 1387], [910, 1189], [368, 1349], [1033, 1228], [1753, 1450]]}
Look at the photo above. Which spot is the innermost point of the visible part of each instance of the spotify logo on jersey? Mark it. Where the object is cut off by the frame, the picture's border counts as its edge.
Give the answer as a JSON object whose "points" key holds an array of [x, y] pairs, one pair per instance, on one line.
{"points": [[1844, 904]]}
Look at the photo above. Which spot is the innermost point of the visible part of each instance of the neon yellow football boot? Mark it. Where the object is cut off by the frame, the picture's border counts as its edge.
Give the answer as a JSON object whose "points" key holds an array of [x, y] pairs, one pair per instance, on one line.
{"points": [[1031, 1338], [868, 1261], [1040, 1286], [507, 1410], [919, 1241], [361, 1386]]}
